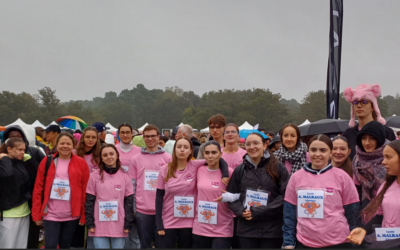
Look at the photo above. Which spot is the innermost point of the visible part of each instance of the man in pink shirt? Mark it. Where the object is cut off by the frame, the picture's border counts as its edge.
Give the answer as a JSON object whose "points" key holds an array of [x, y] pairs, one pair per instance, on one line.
{"points": [[144, 168]]}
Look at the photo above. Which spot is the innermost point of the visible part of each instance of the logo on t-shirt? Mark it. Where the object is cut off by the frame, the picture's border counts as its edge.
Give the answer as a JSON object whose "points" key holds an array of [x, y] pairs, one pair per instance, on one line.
{"points": [[311, 208], [254, 204], [152, 183], [60, 192], [207, 216], [118, 187], [184, 210], [108, 214], [189, 177]]}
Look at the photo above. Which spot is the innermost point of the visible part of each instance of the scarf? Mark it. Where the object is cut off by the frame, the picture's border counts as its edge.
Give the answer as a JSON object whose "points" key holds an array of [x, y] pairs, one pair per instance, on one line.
{"points": [[110, 170], [297, 157], [369, 171], [126, 147]]}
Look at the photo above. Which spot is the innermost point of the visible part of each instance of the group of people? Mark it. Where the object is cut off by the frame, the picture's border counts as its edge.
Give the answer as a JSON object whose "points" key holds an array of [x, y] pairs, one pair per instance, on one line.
{"points": [[275, 193]]}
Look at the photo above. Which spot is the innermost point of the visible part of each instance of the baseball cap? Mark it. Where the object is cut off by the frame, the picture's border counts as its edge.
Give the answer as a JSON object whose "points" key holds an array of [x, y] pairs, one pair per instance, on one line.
{"points": [[100, 126], [53, 128]]}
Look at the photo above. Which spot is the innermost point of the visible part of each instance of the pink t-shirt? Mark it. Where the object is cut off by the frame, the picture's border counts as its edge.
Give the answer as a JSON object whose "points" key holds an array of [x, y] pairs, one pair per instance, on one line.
{"points": [[125, 157], [113, 187], [143, 168], [234, 159], [340, 191], [288, 166], [88, 159], [209, 185], [59, 210], [390, 207], [183, 185]]}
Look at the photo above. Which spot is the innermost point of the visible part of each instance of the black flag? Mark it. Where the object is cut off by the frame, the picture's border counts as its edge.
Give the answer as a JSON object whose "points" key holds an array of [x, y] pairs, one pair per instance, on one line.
{"points": [[335, 54]]}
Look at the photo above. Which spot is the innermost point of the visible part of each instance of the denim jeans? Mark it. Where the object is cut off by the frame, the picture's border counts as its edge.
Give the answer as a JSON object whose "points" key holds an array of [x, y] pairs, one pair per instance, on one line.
{"points": [[146, 227], [59, 233], [109, 243], [132, 241]]}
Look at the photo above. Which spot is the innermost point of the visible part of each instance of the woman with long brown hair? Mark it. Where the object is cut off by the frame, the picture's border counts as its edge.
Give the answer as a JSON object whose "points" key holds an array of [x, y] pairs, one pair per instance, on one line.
{"points": [[176, 195], [89, 147], [340, 155], [385, 207], [260, 175], [109, 201]]}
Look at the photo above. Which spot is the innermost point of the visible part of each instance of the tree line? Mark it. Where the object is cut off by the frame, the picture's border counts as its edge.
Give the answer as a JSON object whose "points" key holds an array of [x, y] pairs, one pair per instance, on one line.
{"points": [[167, 108]]}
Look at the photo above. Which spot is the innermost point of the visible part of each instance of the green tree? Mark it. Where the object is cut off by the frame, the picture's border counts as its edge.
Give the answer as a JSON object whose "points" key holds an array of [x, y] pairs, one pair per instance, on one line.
{"points": [[313, 106]]}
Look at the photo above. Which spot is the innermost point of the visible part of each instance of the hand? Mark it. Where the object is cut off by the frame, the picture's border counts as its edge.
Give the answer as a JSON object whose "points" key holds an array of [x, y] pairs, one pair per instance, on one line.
{"points": [[39, 223], [2, 155], [289, 247], [91, 230], [126, 230], [81, 224], [247, 214], [225, 180], [161, 232], [357, 235], [219, 199]]}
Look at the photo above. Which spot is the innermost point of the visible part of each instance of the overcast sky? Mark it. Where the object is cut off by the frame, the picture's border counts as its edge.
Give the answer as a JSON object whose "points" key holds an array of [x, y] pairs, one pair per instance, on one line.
{"points": [[83, 49]]}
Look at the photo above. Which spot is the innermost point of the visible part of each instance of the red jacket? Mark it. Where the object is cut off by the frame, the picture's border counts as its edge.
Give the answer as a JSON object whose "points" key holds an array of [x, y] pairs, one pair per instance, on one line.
{"points": [[78, 172]]}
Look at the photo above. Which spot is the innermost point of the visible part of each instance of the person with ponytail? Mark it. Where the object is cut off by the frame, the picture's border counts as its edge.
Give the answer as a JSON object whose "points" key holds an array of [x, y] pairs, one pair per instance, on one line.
{"points": [[340, 155], [385, 207], [176, 195], [321, 202], [109, 202], [292, 152], [15, 193], [260, 175], [213, 222], [369, 172]]}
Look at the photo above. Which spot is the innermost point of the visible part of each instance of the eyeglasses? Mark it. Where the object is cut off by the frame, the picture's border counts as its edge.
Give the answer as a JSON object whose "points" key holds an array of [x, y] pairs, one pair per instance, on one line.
{"points": [[215, 127], [363, 102], [233, 132], [255, 143], [150, 136]]}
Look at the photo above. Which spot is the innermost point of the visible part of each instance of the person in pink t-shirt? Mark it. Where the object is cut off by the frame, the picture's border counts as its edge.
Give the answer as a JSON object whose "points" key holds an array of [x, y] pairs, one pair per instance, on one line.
{"points": [[89, 147], [213, 222], [144, 168], [126, 151], [385, 207], [109, 202], [231, 153], [176, 195], [321, 202]]}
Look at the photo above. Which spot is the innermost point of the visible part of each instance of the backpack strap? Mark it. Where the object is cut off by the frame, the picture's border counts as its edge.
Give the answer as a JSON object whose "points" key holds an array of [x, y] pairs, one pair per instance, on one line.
{"points": [[46, 169], [239, 176]]}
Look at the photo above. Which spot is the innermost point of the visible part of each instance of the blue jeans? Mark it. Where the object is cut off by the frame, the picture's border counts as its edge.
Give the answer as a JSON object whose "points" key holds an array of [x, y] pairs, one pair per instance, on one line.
{"points": [[106, 242], [132, 241], [146, 227]]}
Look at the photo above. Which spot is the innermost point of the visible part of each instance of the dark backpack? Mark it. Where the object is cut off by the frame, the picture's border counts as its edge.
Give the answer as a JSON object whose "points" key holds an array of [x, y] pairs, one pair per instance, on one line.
{"points": [[46, 169]]}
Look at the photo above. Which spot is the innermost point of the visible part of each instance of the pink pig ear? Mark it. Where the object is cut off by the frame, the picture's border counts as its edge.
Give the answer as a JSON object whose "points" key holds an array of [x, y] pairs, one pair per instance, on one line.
{"points": [[348, 94], [376, 90]]}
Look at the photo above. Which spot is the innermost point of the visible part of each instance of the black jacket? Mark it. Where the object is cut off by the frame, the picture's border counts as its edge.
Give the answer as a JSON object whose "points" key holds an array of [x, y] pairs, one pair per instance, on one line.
{"points": [[196, 146], [32, 150], [16, 183], [267, 221], [351, 134]]}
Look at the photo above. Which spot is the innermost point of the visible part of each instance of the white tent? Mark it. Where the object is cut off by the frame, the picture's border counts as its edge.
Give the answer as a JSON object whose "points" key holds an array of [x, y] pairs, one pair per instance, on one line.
{"points": [[142, 127], [37, 123], [18, 122], [112, 128], [205, 130], [109, 139], [53, 123], [180, 124], [305, 123], [245, 125]]}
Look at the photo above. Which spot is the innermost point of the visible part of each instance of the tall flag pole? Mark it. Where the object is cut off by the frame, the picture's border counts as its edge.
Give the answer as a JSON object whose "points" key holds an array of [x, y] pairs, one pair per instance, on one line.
{"points": [[335, 56]]}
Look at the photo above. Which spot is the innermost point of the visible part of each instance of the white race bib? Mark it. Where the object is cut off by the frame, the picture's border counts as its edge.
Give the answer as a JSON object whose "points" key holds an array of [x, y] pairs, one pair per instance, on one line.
{"points": [[150, 180], [125, 168], [310, 204], [383, 234], [207, 212], [60, 190], [184, 206], [108, 210], [255, 199]]}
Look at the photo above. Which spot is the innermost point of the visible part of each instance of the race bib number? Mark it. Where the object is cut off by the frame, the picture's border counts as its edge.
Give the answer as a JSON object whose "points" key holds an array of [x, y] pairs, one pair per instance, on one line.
{"points": [[207, 212], [60, 190], [383, 234], [255, 199], [310, 204], [125, 168], [184, 206], [108, 211], [150, 180]]}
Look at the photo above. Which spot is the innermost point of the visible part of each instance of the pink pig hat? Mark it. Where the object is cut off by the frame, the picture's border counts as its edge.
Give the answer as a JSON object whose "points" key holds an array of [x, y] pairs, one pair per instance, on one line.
{"points": [[364, 92]]}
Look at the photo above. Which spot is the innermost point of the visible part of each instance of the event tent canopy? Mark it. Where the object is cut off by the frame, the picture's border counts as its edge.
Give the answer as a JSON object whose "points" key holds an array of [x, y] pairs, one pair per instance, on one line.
{"points": [[245, 125], [205, 130], [305, 123], [37, 123], [112, 128], [142, 127], [180, 124], [18, 122], [53, 123]]}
